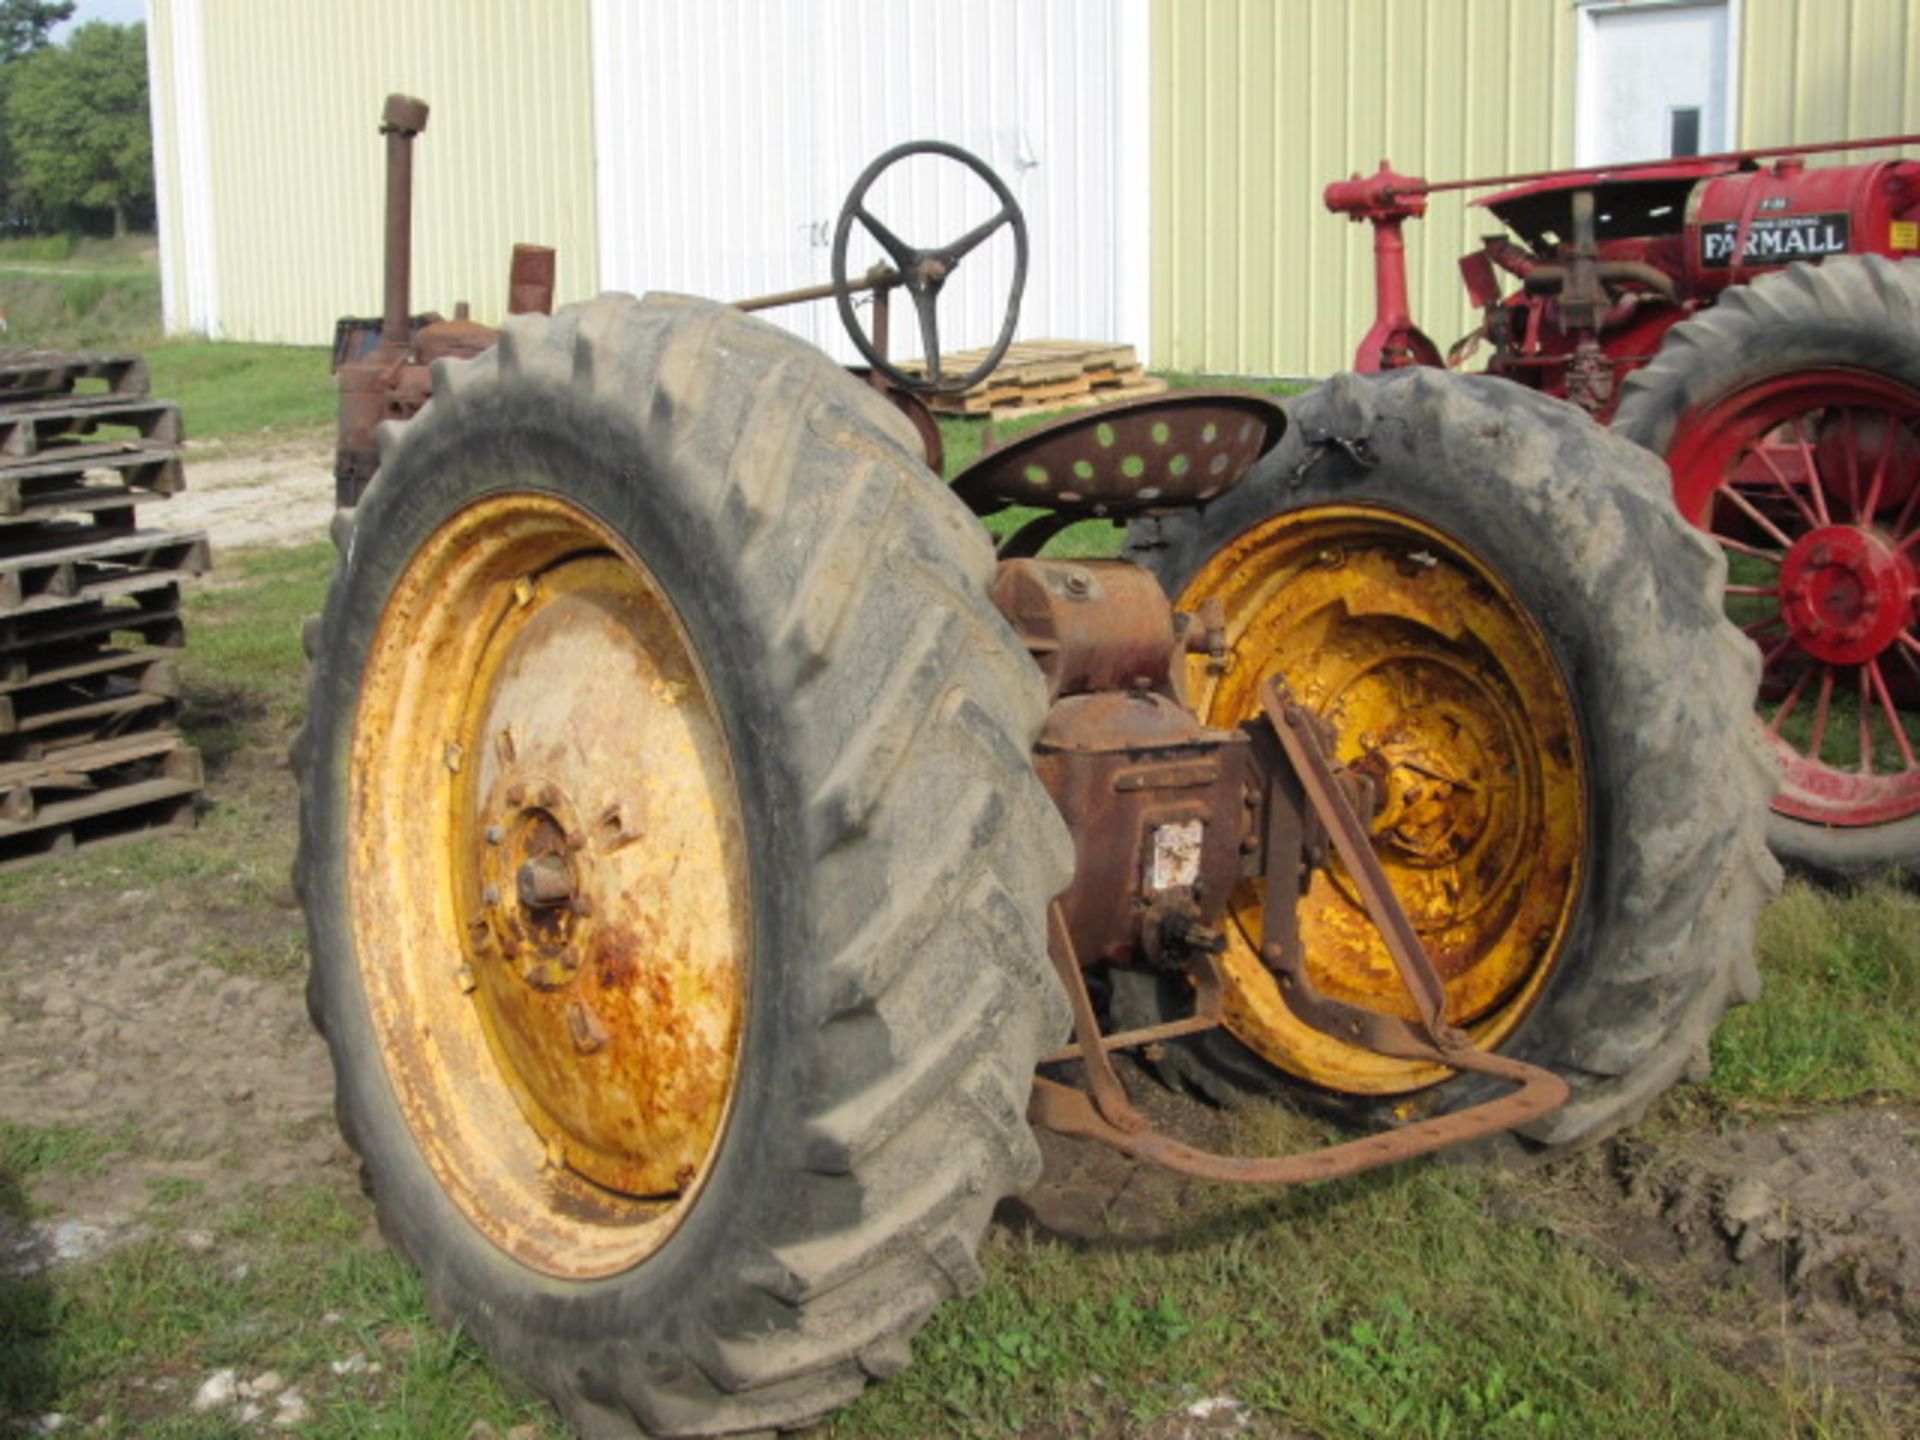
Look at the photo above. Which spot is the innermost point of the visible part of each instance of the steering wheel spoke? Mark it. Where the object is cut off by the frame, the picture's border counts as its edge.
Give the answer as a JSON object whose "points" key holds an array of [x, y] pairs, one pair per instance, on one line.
{"points": [[974, 238], [924, 273], [925, 303], [902, 254]]}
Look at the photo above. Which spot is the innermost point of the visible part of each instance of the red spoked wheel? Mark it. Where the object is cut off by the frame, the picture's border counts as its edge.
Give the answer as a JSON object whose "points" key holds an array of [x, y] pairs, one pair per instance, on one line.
{"points": [[1810, 482]]}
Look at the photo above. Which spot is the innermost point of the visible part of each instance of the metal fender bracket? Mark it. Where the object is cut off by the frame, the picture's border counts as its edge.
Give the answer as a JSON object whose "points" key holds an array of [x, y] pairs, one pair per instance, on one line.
{"points": [[1103, 1111]]}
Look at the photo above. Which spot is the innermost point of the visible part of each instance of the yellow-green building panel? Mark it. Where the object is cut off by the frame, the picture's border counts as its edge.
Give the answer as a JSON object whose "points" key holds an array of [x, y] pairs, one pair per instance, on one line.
{"points": [[292, 93], [1257, 104], [1817, 70]]}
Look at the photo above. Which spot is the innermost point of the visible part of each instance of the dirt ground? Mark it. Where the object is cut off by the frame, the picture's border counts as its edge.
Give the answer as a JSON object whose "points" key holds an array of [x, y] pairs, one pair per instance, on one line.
{"points": [[244, 495]]}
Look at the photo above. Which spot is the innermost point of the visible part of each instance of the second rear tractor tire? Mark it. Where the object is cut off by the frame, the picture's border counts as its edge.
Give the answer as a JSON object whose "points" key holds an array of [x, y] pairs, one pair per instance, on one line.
{"points": [[1791, 349], [665, 791], [1536, 513]]}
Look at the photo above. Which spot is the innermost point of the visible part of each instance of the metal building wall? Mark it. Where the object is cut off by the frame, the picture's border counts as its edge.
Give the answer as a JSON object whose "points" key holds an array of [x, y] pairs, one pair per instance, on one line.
{"points": [[732, 130], [1813, 70], [292, 191], [1257, 104]]}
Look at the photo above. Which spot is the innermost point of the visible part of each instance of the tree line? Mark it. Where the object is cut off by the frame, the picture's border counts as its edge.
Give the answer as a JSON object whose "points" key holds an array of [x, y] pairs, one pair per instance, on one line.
{"points": [[76, 141]]}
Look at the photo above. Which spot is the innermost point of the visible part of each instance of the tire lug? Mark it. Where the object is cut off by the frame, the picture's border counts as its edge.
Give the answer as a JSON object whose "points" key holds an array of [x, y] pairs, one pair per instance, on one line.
{"points": [[453, 757], [523, 591], [463, 977], [503, 745], [556, 1153]]}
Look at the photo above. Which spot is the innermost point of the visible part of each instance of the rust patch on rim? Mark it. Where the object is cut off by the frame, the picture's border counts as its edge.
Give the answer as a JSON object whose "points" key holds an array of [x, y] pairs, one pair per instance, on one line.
{"points": [[548, 884], [1441, 689]]}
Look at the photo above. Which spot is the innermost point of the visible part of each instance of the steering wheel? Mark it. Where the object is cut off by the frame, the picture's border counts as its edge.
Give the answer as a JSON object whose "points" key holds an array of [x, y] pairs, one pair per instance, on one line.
{"points": [[923, 272]]}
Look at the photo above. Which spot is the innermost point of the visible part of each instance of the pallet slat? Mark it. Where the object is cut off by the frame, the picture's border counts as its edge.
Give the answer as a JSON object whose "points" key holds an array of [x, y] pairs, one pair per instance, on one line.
{"points": [[58, 475], [27, 373], [1039, 375], [45, 579]]}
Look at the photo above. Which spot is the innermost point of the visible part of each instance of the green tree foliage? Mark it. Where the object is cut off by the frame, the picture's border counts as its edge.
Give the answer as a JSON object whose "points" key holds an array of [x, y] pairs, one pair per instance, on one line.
{"points": [[78, 127], [24, 25]]}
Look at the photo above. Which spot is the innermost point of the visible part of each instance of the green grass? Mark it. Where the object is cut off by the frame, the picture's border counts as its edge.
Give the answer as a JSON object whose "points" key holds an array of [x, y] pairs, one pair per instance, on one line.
{"points": [[74, 1149], [227, 390], [1395, 1306], [1840, 1015], [60, 295], [290, 1282]]}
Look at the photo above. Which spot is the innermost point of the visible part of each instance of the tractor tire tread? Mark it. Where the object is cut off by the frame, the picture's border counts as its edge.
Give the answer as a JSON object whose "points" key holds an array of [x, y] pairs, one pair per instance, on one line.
{"points": [[929, 1009]]}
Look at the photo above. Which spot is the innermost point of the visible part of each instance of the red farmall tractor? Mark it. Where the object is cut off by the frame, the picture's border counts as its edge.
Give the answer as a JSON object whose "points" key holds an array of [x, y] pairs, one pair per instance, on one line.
{"points": [[1756, 321], [718, 860]]}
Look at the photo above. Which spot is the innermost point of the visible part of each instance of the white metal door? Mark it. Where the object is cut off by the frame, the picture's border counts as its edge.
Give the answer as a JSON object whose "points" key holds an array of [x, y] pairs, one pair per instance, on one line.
{"points": [[1654, 81], [728, 134]]}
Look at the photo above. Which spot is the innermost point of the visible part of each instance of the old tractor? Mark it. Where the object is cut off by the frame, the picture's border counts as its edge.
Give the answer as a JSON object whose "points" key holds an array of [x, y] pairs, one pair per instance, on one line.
{"points": [[1756, 321], [718, 860]]}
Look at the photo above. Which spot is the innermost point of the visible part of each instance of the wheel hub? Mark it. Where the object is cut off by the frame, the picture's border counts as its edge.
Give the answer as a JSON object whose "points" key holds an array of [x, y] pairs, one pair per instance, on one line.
{"points": [[1442, 691], [1845, 593], [552, 909]]}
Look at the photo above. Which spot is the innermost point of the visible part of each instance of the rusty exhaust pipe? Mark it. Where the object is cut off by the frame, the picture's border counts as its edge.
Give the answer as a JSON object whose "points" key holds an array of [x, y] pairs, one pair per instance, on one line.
{"points": [[401, 119]]}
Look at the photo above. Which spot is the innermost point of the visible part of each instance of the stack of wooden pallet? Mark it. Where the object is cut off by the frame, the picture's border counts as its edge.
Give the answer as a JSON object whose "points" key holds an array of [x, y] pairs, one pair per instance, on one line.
{"points": [[1037, 375], [89, 607]]}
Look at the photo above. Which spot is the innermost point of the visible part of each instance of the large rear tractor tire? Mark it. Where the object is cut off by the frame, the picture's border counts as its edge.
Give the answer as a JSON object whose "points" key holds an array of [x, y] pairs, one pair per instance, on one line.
{"points": [[1790, 416], [1510, 630], [674, 868]]}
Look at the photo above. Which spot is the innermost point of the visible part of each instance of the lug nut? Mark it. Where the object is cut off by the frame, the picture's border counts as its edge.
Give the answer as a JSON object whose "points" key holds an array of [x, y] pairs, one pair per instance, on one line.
{"points": [[495, 834]]}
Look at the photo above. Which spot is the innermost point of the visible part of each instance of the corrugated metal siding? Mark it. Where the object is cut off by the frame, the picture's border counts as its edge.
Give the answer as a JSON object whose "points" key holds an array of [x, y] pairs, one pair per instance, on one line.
{"points": [[293, 96], [1257, 104], [1813, 70], [732, 131]]}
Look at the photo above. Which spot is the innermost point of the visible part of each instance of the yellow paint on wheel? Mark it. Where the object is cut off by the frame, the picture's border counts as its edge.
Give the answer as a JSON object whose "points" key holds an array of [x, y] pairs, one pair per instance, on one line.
{"points": [[1442, 689], [548, 883]]}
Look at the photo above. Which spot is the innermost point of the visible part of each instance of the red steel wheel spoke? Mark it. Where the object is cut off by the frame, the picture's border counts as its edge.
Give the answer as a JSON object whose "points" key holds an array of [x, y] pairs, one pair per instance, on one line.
{"points": [[1747, 508], [1877, 486], [1913, 665], [1853, 462], [1820, 704], [1753, 589], [1767, 659], [1865, 766], [1907, 642], [1786, 705], [1771, 557], [1756, 627], [1893, 715], [1786, 486], [1813, 470], [1906, 516]]}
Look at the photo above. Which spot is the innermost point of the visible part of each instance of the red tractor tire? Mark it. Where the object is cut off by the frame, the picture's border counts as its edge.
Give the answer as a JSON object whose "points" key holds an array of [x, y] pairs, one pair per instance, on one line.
{"points": [[1789, 414]]}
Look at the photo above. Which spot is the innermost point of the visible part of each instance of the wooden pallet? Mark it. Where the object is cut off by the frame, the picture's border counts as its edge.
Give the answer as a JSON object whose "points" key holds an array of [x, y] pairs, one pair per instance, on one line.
{"points": [[1037, 375], [78, 477], [53, 564], [145, 604], [80, 689], [95, 794], [36, 374], [90, 616], [31, 427]]}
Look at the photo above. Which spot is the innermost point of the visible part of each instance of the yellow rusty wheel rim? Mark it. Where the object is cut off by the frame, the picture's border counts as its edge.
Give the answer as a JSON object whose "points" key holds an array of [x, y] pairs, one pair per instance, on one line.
{"points": [[1440, 685], [548, 884]]}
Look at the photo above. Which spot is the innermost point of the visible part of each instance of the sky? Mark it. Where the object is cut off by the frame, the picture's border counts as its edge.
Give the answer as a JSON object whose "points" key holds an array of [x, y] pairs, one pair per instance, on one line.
{"points": [[118, 12]]}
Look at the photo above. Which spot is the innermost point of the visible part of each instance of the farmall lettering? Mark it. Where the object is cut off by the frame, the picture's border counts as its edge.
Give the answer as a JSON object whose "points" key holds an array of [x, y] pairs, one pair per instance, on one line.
{"points": [[1775, 239]]}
